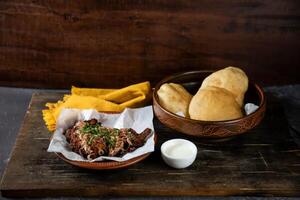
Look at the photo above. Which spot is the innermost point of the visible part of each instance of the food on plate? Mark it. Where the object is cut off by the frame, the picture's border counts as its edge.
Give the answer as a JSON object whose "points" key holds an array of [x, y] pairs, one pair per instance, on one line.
{"points": [[91, 140], [220, 97], [232, 79], [174, 98], [214, 104]]}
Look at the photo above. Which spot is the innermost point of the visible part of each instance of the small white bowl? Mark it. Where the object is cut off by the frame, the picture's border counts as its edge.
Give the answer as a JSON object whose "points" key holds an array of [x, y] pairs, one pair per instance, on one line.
{"points": [[178, 153]]}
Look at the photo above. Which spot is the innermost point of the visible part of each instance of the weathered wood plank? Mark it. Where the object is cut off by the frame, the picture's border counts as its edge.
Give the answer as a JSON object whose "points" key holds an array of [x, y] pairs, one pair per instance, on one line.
{"points": [[89, 43], [264, 161]]}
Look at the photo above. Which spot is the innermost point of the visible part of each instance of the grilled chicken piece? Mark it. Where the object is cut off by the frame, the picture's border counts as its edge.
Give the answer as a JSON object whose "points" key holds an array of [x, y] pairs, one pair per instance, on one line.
{"points": [[91, 140], [128, 141]]}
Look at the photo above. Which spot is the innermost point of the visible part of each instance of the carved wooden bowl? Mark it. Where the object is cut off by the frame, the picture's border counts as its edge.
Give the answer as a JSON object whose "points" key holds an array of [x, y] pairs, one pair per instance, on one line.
{"points": [[209, 129]]}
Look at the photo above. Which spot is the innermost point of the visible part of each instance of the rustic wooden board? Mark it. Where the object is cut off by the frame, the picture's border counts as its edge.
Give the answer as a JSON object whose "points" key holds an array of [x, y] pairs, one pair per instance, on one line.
{"points": [[263, 162], [53, 43]]}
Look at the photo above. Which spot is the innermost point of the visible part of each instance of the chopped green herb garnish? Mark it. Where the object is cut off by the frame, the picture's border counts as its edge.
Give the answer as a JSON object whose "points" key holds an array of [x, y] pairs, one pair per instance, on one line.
{"points": [[97, 130]]}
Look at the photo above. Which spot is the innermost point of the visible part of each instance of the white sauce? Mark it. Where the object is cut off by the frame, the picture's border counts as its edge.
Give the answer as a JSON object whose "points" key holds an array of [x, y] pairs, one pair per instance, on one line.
{"points": [[179, 150]]}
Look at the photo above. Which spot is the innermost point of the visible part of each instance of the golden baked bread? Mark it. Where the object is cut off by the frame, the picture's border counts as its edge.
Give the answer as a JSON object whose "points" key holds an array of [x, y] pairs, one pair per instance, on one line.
{"points": [[174, 98], [232, 79], [214, 104]]}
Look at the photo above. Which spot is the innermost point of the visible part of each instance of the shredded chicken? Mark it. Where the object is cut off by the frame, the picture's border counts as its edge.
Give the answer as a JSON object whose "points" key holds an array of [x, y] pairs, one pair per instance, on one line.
{"points": [[91, 140]]}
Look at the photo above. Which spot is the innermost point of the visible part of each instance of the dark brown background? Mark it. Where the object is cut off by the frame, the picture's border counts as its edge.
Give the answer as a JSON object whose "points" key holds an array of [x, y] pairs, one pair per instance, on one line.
{"points": [[113, 43]]}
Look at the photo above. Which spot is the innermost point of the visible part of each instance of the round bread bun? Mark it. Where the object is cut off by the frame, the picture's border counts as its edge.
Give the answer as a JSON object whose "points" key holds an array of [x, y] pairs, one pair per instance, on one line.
{"points": [[214, 104], [174, 98], [232, 79]]}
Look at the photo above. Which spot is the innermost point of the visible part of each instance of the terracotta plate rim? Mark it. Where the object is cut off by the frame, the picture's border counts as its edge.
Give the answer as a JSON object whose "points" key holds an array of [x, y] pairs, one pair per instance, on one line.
{"points": [[106, 165]]}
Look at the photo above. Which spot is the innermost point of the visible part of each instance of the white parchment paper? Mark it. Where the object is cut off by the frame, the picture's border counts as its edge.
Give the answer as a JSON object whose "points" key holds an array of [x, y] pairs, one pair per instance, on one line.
{"points": [[250, 108], [138, 119]]}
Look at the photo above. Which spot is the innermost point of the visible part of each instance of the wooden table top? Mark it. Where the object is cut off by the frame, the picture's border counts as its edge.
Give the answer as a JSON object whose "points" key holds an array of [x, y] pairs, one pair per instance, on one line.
{"points": [[264, 161]]}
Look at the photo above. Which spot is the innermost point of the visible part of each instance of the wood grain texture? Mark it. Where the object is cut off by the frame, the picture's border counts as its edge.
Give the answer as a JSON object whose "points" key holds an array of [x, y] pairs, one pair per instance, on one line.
{"points": [[263, 162], [55, 44]]}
